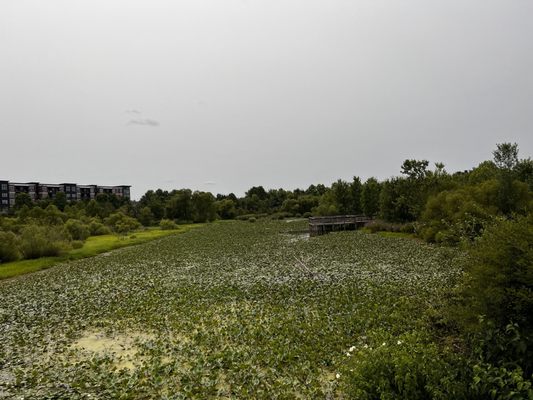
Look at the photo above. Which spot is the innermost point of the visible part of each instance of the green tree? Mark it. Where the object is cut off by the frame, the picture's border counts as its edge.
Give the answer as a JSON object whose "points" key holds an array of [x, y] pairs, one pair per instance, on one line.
{"points": [[370, 197], [259, 191], [155, 201], [415, 169], [327, 205], [179, 206], [523, 171], [226, 209], [146, 217], [355, 196], [203, 206], [485, 171], [341, 196], [506, 159], [506, 155], [60, 200], [21, 200], [53, 216], [394, 201]]}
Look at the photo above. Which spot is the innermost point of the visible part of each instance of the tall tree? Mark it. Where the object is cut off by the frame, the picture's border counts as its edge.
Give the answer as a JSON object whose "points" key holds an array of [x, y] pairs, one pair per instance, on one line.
{"points": [[506, 155], [370, 197], [355, 196], [341, 196]]}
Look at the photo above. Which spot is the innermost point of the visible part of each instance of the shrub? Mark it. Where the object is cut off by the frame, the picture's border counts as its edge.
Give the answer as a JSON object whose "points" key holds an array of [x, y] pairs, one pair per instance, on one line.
{"points": [[408, 228], [280, 215], [382, 226], [498, 286], [409, 367], [251, 219], [76, 244], [246, 217], [167, 224], [9, 244], [77, 229], [492, 382], [97, 229], [145, 216], [40, 241], [11, 225], [121, 223], [500, 280]]}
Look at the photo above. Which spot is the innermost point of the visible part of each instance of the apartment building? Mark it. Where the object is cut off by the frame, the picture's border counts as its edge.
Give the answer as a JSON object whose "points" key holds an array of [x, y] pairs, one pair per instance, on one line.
{"points": [[73, 192]]}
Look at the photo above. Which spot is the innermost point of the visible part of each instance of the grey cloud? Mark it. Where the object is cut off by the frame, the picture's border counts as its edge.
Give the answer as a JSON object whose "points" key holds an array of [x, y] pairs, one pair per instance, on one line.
{"points": [[144, 122]]}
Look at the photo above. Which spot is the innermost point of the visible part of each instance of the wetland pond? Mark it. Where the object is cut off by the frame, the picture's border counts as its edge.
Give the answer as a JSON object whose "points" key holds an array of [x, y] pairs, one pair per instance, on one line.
{"points": [[228, 310]]}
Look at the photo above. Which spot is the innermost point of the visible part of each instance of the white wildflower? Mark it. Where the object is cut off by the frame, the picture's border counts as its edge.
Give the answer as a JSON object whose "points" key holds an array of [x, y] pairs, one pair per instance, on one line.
{"points": [[338, 376], [351, 349], [383, 344], [399, 342]]}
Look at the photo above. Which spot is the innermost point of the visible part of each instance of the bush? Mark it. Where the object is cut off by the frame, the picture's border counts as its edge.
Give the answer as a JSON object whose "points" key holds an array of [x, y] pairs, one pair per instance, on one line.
{"points": [[121, 223], [499, 287], [251, 219], [409, 367], [77, 229], [9, 244], [382, 226], [492, 382], [280, 215], [145, 216], [97, 229], [246, 217], [408, 228], [76, 244], [167, 224], [500, 280], [40, 241], [11, 225]]}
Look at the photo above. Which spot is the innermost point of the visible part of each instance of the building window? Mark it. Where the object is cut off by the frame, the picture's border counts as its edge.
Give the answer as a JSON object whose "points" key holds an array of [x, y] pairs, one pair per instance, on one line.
{"points": [[4, 186]]}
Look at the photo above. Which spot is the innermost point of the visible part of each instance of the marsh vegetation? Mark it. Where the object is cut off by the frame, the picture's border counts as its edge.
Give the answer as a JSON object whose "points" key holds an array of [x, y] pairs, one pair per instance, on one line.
{"points": [[224, 310]]}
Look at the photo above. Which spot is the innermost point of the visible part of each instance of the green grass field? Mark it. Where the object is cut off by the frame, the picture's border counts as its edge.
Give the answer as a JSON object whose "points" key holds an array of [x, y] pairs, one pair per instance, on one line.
{"points": [[92, 246]]}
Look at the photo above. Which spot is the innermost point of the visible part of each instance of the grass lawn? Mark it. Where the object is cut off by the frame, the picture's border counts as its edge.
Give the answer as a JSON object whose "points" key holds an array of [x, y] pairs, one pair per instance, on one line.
{"points": [[93, 246]]}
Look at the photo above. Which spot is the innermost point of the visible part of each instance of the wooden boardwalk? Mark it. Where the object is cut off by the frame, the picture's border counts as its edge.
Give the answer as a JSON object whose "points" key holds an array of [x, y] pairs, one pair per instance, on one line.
{"points": [[323, 225]]}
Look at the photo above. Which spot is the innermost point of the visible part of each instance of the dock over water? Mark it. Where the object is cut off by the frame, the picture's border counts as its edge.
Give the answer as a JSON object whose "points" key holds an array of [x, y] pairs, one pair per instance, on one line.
{"points": [[323, 225]]}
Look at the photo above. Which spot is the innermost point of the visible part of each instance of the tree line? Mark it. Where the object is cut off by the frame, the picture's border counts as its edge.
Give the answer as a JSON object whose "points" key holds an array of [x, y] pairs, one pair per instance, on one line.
{"points": [[431, 203]]}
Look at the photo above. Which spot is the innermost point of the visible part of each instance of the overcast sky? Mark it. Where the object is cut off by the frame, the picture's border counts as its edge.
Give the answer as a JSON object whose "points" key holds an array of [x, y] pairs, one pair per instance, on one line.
{"points": [[221, 95]]}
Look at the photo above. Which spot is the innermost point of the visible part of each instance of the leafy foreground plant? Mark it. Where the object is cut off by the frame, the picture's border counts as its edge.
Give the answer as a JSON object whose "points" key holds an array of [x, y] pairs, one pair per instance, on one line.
{"points": [[233, 310]]}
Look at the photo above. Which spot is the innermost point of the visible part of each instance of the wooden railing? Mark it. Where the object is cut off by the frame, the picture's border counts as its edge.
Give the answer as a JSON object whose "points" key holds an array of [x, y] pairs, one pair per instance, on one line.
{"points": [[322, 225], [339, 219]]}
